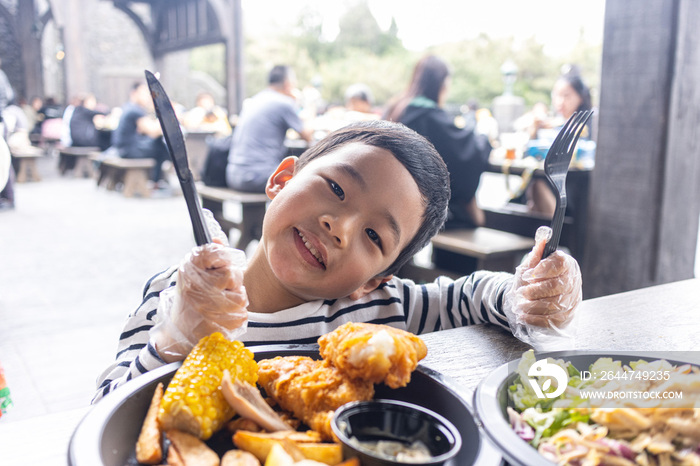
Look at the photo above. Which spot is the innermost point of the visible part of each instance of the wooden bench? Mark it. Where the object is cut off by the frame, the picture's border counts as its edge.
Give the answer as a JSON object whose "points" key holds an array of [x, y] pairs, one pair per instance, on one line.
{"points": [[76, 159], [252, 211], [132, 174], [25, 163], [493, 250]]}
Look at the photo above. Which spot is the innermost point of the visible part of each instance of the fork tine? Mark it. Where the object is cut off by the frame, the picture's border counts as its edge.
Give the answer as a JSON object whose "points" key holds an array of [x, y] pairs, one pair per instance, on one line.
{"points": [[560, 137], [571, 136], [557, 159]]}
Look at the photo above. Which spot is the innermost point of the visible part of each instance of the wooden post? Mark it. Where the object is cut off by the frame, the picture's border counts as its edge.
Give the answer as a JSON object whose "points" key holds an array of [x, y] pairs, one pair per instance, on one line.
{"points": [[29, 36], [645, 189]]}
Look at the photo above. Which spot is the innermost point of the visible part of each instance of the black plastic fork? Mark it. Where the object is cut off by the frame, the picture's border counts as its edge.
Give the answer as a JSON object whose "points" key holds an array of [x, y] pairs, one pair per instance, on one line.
{"points": [[556, 166]]}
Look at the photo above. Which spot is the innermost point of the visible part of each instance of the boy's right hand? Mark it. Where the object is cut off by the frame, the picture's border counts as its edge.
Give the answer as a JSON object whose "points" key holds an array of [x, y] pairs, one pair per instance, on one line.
{"points": [[209, 297]]}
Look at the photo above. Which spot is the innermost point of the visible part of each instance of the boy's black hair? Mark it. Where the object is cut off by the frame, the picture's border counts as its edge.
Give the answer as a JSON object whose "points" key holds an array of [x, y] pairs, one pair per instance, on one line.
{"points": [[415, 153]]}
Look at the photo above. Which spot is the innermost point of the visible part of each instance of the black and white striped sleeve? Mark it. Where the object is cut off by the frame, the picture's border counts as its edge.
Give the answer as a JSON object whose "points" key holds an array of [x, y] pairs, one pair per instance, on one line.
{"points": [[446, 303], [136, 355]]}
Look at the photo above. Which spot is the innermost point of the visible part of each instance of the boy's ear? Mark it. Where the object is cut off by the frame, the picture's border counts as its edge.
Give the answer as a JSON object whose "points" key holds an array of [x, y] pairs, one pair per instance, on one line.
{"points": [[283, 173], [371, 285]]}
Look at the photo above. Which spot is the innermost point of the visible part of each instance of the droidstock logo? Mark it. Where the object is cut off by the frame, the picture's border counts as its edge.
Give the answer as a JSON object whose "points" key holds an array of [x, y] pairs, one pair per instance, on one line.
{"points": [[542, 368]]}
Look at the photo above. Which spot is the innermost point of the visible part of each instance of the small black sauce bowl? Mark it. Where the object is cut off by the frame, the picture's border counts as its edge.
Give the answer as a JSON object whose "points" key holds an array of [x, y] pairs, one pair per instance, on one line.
{"points": [[398, 421]]}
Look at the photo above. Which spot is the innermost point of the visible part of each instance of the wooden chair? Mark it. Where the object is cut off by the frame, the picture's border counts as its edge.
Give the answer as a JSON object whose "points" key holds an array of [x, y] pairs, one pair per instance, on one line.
{"points": [[131, 174], [24, 160], [78, 159], [252, 211]]}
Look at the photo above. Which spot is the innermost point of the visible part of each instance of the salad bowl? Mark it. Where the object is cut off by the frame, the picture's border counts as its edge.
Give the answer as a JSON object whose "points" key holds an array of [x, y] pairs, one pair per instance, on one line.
{"points": [[492, 400]]}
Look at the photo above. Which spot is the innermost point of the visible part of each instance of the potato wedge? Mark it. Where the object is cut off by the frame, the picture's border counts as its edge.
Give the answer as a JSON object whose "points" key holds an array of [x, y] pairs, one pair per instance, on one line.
{"points": [[327, 453], [260, 445], [278, 456], [148, 447], [350, 462], [193, 451], [239, 458], [174, 458]]}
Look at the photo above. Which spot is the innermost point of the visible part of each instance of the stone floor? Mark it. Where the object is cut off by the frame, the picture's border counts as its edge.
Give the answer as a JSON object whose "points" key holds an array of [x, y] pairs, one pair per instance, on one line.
{"points": [[73, 262]]}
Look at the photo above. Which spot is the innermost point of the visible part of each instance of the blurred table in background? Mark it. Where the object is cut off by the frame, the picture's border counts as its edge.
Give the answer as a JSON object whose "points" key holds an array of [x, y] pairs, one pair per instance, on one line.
{"points": [[516, 218]]}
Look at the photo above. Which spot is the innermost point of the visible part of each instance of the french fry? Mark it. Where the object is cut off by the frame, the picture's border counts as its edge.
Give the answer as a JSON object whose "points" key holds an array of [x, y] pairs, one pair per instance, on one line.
{"points": [[148, 446], [193, 451], [278, 456], [174, 458], [350, 462], [327, 453], [239, 458], [241, 423], [260, 445]]}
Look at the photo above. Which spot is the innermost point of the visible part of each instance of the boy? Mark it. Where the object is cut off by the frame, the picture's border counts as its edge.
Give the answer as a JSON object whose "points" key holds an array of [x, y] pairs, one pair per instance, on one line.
{"points": [[344, 217]]}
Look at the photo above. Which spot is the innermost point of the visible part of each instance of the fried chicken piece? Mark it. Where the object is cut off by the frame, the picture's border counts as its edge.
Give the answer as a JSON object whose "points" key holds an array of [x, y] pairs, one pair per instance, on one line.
{"points": [[310, 389], [377, 353]]}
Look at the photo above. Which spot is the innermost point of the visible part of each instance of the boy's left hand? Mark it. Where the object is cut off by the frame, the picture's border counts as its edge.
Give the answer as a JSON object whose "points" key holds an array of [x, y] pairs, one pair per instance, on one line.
{"points": [[545, 292]]}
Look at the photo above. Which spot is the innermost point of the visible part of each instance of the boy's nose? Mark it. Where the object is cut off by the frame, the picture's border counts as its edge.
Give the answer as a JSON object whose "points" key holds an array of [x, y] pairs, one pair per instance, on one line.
{"points": [[339, 228]]}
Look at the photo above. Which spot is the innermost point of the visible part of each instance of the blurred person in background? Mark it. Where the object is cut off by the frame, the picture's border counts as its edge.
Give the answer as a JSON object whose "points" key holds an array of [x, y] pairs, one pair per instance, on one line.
{"points": [[569, 95], [7, 200], [257, 146], [207, 116], [358, 106], [7, 194], [464, 150], [7, 94], [31, 110], [85, 121], [139, 134]]}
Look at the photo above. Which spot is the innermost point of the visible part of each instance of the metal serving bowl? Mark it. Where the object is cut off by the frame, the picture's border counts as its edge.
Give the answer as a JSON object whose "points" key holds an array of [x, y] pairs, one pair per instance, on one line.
{"points": [[107, 434]]}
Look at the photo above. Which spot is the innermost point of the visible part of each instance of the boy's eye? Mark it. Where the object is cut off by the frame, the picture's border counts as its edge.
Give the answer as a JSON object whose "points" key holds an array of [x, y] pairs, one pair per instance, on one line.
{"points": [[374, 237], [337, 190]]}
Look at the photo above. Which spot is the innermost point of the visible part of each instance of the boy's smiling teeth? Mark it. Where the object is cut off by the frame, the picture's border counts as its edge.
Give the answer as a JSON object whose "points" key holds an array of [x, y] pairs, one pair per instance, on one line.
{"points": [[311, 248]]}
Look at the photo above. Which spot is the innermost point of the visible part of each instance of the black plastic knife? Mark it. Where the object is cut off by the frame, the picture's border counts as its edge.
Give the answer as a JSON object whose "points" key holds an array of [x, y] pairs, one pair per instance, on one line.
{"points": [[176, 146]]}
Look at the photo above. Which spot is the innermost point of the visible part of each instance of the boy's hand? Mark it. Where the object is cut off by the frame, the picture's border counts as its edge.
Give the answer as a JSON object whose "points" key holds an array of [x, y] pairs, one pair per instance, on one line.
{"points": [[545, 292], [211, 289], [209, 297]]}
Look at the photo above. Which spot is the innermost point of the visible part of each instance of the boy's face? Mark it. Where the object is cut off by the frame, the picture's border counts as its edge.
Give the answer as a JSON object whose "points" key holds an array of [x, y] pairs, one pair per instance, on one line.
{"points": [[336, 224]]}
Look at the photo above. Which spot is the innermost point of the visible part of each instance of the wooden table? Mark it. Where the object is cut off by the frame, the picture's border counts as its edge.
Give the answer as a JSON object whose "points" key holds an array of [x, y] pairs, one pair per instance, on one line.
{"points": [[660, 318]]}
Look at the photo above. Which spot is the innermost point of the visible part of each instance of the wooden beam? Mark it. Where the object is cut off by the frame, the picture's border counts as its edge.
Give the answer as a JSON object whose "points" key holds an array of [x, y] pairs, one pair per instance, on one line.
{"points": [[644, 205]]}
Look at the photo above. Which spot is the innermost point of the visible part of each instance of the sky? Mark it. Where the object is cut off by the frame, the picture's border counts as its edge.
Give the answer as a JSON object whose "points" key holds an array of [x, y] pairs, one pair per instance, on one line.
{"points": [[554, 23]]}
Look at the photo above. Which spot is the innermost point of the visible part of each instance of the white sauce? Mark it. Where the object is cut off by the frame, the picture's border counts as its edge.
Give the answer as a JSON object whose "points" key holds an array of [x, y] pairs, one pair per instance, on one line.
{"points": [[381, 343], [416, 452]]}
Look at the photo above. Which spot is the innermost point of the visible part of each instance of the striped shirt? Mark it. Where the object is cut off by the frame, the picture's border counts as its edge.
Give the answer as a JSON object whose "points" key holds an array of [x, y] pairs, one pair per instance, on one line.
{"points": [[443, 304]]}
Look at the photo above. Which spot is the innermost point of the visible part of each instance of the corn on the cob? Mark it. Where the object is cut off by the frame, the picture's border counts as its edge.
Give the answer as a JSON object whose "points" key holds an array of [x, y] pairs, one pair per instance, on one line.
{"points": [[193, 401]]}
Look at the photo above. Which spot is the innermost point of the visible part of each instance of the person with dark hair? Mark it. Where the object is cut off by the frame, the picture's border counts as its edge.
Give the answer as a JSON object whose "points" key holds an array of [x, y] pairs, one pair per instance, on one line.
{"points": [[464, 151], [569, 95], [139, 134], [83, 123], [343, 218], [257, 145]]}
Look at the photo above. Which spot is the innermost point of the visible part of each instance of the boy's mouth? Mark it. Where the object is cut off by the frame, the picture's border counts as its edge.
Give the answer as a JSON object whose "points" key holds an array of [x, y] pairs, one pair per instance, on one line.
{"points": [[310, 247]]}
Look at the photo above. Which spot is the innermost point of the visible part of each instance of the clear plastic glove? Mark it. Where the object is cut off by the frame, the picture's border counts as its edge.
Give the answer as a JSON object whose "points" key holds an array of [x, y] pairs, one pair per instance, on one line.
{"points": [[209, 297], [541, 304]]}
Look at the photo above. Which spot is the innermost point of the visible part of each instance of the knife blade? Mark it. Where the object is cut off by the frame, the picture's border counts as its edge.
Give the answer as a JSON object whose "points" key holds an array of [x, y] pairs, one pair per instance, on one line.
{"points": [[176, 146]]}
